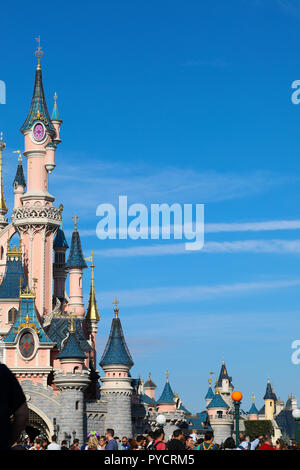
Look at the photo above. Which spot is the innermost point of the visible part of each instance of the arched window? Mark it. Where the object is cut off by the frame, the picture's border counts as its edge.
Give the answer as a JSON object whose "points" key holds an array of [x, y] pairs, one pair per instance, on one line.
{"points": [[12, 315]]}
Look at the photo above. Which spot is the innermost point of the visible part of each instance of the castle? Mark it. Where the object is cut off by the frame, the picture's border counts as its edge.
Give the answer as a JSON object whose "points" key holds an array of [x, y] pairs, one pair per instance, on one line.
{"points": [[48, 338]]}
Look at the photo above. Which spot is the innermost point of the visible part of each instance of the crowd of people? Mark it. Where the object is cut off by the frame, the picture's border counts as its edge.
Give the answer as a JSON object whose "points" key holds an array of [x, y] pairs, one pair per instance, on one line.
{"points": [[154, 441]]}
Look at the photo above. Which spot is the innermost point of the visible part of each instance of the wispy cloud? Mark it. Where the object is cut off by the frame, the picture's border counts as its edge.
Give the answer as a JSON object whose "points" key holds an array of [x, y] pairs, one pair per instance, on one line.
{"points": [[174, 294], [275, 246]]}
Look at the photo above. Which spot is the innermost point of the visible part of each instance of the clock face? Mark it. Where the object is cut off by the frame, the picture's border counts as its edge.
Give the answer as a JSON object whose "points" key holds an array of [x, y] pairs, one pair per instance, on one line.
{"points": [[38, 132], [26, 345]]}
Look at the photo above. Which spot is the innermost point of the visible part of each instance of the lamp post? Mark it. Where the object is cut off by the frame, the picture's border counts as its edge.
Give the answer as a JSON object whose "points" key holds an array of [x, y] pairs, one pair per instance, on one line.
{"points": [[296, 416], [237, 397]]}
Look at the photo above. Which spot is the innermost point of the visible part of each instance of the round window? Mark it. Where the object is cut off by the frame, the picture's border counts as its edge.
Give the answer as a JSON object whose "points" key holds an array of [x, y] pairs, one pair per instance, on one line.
{"points": [[26, 344]]}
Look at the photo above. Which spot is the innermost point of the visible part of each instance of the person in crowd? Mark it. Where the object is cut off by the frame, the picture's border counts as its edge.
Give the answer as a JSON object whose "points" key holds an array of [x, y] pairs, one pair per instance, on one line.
{"points": [[158, 443], [149, 439], [75, 445], [229, 444], [208, 443], [281, 445], [125, 443], [19, 445], [245, 444], [37, 444], [45, 443], [93, 443], [64, 445], [267, 445], [133, 444], [141, 442], [102, 442], [54, 445], [194, 435], [189, 443], [12, 403], [177, 441], [118, 441], [111, 443]]}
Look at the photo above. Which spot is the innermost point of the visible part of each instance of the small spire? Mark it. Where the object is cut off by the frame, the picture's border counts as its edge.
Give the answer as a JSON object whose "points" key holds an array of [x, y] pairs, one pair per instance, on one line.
{"points": [[55, 114], [92, 311], [209, 378], [3, 206], [39, 53], [75, 218], [217, 391], [116, 308], [253, 397], [19, 155], [167, 376]]}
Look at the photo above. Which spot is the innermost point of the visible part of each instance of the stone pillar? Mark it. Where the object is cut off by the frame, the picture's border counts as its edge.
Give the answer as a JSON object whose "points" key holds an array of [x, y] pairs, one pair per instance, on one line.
{"points": [[73, 415], [118, 415]]}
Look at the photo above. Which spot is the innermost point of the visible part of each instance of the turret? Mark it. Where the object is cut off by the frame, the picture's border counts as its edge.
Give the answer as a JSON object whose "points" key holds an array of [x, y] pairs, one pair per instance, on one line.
{"points": [[224, 384], [210, 394], [60, 247], [92, 316], [19, 183], [71, 380], [150, 387], [253, 412], [166, 401], [75, 265], [270, 400], [116, 387], [56, 120], [3, 206]]}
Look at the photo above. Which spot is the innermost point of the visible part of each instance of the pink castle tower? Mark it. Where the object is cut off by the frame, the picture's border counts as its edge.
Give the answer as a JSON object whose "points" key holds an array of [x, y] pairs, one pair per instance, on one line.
{"points": [[150, 387], [36, 219]]}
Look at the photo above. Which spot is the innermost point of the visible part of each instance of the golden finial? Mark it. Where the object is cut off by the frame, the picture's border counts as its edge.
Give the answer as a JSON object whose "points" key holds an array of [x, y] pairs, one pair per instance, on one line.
{"points": [[167, 375], [20, 155], [217, 388], [253, 397], [3, 206], [55, 97], [72, 326], [39, 53], [209, 378], [116, 308], [75, 218]]}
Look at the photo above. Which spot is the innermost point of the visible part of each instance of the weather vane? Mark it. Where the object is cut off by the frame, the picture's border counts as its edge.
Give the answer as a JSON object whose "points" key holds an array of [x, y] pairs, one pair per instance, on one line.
{"points": [[20, 155], [39, 53], [116, 308]]}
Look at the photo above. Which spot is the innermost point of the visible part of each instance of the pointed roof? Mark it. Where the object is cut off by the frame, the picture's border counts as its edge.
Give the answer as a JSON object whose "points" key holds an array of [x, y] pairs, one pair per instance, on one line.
{"points": [[183, 408], [76, 259], [218, 402], [116, 350], [3, 206], [270, 395], [150, 384], [223, 374], [167, 396], [55, 114], [38, 109], [14, 276], [27, 318], [210, 394], [253, 410], [92, 311], [58, 330], [262, 411], [145, 399], [71, 349], [60, 239], [19, 178]]}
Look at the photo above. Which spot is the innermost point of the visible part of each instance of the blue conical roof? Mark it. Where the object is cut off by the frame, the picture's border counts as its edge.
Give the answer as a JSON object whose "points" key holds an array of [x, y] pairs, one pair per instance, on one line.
{"points": [[253, 410], [116, 350], [10, 285], [55, 114], [270, 395], [38, 109], [210, 394], [60, 239], [76, 259], [71, 349], [167, 396], [218, 402], [19, 178]]}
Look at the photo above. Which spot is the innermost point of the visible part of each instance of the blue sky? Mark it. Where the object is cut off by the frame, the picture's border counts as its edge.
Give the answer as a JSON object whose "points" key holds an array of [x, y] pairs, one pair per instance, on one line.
{"points": [[188, 102]]}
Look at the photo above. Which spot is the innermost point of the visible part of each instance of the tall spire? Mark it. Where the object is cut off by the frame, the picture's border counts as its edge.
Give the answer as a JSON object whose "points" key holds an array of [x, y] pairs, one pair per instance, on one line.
{"points": [[19, 178], [92, 311], [38, 110], [3, 206], [76, 259]]}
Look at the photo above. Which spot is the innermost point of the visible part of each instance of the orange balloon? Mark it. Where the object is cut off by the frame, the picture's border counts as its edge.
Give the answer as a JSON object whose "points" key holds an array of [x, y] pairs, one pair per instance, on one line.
{"points": [[237, 396]]}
